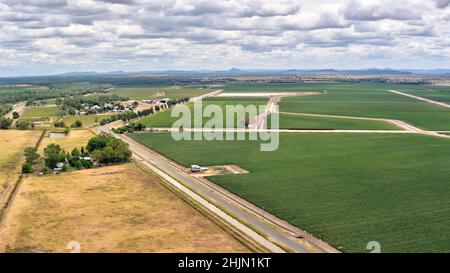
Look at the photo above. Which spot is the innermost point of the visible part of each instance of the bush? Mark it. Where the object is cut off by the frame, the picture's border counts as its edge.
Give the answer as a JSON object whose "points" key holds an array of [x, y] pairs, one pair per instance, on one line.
{"points": [[27, 168], [86, 164], [77, 164], [46, 170], [15, 115], [23, 124], [59, 124], [77, 124], [5, 123], [66, 131]]}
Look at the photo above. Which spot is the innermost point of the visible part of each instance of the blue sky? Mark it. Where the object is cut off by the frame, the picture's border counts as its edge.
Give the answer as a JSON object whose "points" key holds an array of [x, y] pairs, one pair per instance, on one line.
{"points": [[55, 36]]}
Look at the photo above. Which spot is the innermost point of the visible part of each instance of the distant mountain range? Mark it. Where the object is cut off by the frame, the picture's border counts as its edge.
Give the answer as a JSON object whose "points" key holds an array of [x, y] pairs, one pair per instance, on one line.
{"points": [[267, 72]]}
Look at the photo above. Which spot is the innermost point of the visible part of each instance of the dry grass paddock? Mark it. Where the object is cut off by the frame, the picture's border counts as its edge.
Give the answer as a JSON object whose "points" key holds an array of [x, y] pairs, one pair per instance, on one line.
{"points": [[112, 209]]}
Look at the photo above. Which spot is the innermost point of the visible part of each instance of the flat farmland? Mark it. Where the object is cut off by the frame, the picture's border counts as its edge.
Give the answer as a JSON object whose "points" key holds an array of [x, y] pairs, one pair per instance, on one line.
{"points": [[371, 101], [112, 209], [436, 93], [155, 92], [163, 119], [304, 87], [13, 142], [40, 112], [293, 121], [347, 189]]}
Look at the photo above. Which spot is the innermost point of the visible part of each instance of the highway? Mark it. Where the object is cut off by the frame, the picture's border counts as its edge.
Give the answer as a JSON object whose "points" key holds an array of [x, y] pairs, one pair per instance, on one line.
{"points": [[207, 198]]}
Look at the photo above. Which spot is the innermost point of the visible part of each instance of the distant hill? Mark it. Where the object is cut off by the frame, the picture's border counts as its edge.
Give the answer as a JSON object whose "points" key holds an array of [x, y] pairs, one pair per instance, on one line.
{"points": [[233, 72]]}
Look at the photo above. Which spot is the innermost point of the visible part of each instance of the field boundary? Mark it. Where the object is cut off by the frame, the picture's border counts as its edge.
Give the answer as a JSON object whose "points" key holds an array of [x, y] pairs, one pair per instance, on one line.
{"points": [[407, 128], [8, 204]]}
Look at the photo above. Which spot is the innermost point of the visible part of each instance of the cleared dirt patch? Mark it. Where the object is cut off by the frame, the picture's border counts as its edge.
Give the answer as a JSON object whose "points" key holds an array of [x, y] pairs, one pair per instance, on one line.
{"points": [[221, 170], [112, 209]]}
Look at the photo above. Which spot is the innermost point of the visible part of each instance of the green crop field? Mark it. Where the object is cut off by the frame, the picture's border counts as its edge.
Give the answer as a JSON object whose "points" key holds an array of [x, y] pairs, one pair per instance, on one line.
{"points": [[436, 93], [164, 119], [152, 92], [308, 87], [36, 112], [288, 121], [347, 189], [366, 100]]}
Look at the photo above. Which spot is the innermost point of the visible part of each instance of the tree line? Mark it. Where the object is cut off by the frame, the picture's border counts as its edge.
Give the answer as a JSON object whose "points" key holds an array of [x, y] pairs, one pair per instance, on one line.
{"points": [[5, 108], [53, 92]]}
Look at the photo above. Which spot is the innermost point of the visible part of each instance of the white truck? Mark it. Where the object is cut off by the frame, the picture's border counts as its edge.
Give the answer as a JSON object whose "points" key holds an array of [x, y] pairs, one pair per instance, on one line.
{"points": [[197, 168]]}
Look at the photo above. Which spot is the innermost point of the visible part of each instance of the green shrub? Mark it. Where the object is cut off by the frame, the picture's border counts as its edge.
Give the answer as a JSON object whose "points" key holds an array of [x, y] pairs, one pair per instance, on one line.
{"points": [[27, 168]]}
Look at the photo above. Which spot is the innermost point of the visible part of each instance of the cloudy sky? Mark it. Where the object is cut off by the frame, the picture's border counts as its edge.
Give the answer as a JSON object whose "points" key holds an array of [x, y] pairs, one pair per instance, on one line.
{"points": [[53, 36]]}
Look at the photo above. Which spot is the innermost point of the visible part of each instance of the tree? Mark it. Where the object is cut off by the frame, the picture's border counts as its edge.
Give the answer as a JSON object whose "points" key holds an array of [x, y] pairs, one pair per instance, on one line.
{"points": [[72, 112], [77, 124], [76, 153], [5, 123], [59, 124], [107, 149], [66, 131], [97, 143], [15, 115], [31, 155], [27, 168], [53, 155], [23, 124]]}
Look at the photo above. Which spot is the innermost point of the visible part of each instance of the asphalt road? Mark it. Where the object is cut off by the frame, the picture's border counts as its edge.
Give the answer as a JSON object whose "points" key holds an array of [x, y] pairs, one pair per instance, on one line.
{"points": [[271, 232]]}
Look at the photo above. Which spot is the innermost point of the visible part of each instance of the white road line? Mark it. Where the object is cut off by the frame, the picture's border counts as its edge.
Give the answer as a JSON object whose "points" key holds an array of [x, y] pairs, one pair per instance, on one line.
{"points": [[420, 98], [210, 94], [404, 125], [240, 130]]}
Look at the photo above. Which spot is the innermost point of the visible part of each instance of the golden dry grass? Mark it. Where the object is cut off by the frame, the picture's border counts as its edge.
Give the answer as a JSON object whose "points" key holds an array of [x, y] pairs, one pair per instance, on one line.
{"points": [[113, 209], [12, 144], [75, 139]]}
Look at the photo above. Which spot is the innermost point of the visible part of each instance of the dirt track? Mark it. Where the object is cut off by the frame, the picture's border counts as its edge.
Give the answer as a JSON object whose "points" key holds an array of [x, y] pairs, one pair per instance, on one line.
{"points": [[420, 98]]}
